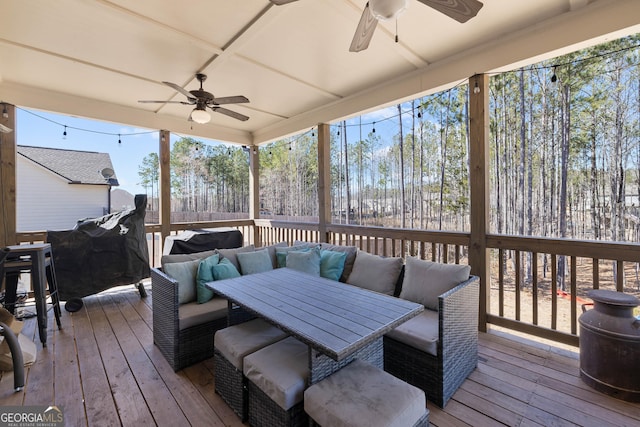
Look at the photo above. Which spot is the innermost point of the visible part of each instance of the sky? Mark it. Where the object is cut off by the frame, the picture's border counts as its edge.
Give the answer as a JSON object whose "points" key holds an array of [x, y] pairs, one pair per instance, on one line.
{"points": [[43, 129]]}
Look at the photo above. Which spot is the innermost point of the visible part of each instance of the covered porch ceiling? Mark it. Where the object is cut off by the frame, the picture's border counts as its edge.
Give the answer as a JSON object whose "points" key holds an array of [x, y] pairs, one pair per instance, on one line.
{"points": [[97, 58]]}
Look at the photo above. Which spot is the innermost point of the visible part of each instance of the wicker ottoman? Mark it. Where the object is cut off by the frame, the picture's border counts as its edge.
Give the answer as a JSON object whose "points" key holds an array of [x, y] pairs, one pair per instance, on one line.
{"points": [[276, 378], [231, 345], [361, 394]]}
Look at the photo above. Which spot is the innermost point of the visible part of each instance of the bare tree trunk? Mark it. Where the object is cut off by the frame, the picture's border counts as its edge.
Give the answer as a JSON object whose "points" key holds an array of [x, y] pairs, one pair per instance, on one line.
{"points": [[403, 219]]}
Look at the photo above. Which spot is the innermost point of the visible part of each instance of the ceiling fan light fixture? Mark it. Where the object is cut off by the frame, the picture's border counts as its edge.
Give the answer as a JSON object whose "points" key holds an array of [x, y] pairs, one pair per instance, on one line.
{"points": [[200, 115], [387, 9]]}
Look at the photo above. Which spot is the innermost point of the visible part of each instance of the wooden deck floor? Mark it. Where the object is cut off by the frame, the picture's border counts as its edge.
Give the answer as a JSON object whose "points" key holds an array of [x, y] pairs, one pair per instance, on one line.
{"points": [[103, 369]]}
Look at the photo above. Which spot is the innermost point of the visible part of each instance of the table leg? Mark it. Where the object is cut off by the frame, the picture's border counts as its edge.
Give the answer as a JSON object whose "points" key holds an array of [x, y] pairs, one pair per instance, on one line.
{"points": [[321, 366], [38, 280]]}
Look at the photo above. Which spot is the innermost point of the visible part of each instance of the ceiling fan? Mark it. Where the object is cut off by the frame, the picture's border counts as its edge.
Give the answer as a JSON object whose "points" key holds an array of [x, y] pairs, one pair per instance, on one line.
{"points": [[203, 99], [382, 10]]}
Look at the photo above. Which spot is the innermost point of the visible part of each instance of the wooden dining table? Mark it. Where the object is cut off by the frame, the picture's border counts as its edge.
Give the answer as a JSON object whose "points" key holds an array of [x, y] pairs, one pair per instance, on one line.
{"points": [[339, 322]]}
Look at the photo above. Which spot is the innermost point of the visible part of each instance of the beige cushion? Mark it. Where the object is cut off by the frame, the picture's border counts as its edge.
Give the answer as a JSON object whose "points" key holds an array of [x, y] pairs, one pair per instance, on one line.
{"points": [[185, 274], [362, 395], [193, 314], [231, 254], [168, 259], [237, 341], [375, 273], [420, 332], [280, 371], [424, 281]]}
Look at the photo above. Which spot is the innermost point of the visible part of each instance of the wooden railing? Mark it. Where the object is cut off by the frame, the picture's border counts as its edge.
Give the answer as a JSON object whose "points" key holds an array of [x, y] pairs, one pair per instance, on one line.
{"points": [[527, 290]]}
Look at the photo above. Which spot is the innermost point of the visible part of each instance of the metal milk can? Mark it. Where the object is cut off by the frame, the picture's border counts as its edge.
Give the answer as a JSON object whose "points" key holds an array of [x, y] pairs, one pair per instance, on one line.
{"points": [[610, 345]]}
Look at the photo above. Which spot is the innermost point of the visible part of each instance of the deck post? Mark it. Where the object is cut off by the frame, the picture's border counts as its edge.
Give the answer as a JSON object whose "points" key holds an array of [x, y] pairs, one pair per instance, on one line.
{"points": [[8, 159], [164, 207], [479, 188], [254, 191], [324, 180]]}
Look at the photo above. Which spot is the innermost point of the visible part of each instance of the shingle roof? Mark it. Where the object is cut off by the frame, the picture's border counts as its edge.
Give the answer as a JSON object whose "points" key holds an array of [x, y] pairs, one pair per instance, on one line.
{"points": [[82, 167]]}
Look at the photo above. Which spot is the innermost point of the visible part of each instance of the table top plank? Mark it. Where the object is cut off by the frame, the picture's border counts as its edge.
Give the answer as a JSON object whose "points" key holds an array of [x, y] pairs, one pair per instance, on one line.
{"points": [[332, 317]]}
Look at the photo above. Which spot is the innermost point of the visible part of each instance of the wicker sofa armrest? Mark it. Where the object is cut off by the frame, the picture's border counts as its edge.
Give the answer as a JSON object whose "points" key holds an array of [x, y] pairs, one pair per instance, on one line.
{"points": [[458, 332], [165, 302]]}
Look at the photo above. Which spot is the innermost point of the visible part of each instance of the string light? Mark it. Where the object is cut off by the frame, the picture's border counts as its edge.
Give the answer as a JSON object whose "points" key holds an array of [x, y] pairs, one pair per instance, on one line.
{"points": [[313, 132], [64, 134], [374, 128], [476, 88], [5, 113], [119, 140], [554, 78], [229, 151]]}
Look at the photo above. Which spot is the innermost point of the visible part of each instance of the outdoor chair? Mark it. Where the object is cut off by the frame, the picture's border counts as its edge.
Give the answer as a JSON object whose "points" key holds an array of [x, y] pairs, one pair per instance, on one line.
{"points": [[441, 364]]}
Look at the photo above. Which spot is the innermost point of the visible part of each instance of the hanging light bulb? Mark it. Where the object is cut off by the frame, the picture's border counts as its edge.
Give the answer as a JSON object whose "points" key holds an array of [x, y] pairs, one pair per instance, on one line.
{"points": [[5, 113], [64, 134], [374, 128], [476, 88], [554, 78], [119, 140], [200, 114], [387, 9]]}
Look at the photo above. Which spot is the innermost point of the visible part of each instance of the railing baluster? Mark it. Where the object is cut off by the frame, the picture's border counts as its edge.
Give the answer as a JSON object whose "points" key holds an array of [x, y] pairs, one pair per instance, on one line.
{"points": [[620, 276], [501, 264], [534, 287], [574, 296], [518, 273], [554, 292]]}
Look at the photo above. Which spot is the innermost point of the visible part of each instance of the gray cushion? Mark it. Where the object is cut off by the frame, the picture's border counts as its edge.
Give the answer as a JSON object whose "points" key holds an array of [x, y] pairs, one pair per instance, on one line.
{"points": [[282, 252], [185, 274], [231, 254], [238, 341], [362, 395], [272, 252], [424, 281], [280, 371], [420, 332], [306, 262], [375, 273], [351, 252], [193, 314], [255, 262]]}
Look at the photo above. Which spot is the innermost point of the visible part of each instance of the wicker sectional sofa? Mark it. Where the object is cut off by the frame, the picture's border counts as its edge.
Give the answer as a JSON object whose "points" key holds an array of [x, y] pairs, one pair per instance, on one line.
{"points": [[435, 353]]}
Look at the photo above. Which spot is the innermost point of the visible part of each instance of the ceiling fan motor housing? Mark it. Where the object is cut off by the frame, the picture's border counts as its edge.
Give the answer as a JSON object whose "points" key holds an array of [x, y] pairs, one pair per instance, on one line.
{"points": [[387, 9]]}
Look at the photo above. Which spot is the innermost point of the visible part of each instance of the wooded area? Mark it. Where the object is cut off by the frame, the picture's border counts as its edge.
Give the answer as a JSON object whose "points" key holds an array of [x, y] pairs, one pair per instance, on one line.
{"points": [[565, 157]]}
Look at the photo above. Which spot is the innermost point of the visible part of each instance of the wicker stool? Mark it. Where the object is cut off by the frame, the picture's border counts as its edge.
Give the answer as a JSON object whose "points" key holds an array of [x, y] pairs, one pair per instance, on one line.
{"points": [[276, 378], [361, 394], [231, 345]]}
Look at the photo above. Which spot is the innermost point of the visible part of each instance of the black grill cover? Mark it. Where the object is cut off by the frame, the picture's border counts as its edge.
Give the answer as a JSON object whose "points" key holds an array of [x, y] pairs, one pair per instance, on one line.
{"points": [[201, 240], [101, 253]]}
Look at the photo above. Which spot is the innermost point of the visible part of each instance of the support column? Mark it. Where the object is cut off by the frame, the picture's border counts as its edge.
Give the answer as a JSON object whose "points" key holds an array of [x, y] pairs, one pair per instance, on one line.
{"points": [[8, 213], [479, 187], [164, 206], [324, 180], [254, 190]]}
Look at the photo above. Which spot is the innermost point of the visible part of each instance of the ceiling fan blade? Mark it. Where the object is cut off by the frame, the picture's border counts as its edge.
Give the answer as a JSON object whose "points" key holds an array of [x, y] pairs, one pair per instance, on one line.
{"points": [[181, 90], [365, 30], [163, 102], [281, 2], [460, 10], [231, 100], [230, 113]]}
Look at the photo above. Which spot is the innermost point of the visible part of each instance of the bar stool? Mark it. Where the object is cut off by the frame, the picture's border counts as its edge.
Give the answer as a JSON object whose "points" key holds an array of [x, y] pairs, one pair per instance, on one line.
{"points": [[36, 259]]}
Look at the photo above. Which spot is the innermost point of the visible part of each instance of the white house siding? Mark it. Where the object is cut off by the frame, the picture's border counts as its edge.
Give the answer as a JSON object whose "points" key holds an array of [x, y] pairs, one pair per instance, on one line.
{"points": [[46, 201]]}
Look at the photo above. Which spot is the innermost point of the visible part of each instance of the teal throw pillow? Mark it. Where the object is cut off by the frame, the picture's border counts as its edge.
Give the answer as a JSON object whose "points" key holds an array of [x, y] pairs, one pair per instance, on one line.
{"points": [[204, 275], [255, 262], [185, 274], [306, 261], [281, 254], [332, 264], [225, 270]]}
